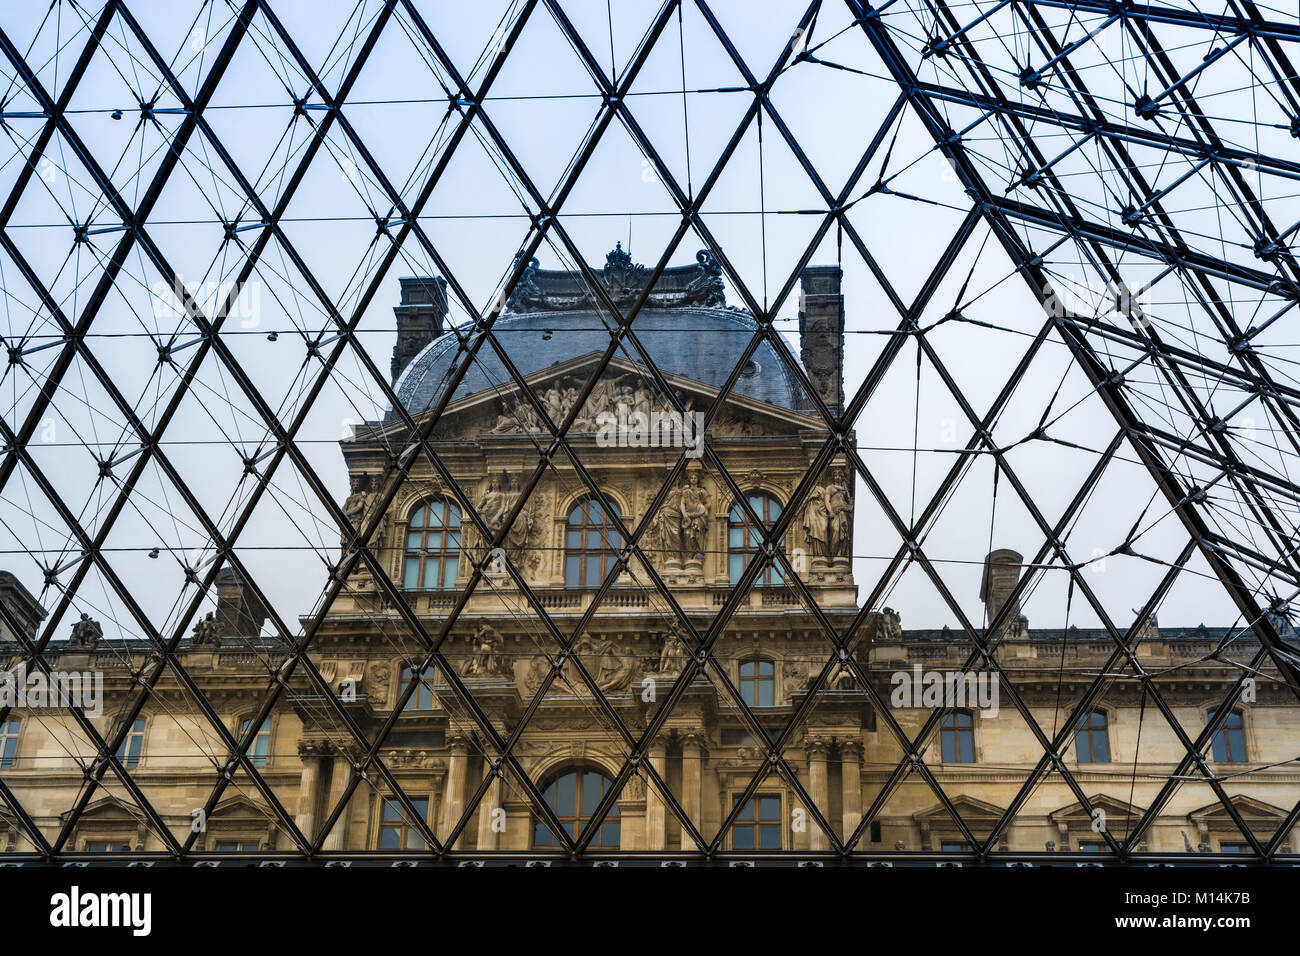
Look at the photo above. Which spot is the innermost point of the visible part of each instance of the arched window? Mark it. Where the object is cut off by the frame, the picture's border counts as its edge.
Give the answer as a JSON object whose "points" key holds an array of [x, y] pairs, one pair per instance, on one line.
{"points": [[591, 544], [957, 736], [1090, 743], [1230, 738], [744, 540], [758, 682], [432, 546], [574, 796]]}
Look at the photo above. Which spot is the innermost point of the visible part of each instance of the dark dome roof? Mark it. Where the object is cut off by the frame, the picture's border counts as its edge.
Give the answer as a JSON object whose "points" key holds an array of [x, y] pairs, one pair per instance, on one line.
{"points": [[696, 342]]}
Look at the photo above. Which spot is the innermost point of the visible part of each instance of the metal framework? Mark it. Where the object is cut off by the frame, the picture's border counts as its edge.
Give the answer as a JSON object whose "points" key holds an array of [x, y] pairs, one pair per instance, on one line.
{"points": [[1147, 147]]}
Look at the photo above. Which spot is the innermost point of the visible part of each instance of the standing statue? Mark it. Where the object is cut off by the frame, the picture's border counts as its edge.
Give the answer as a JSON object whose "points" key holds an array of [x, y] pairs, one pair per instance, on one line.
{"points": [[840, 507], [86, 633], [492, 507], [664, 536], [817, 522], [694, 504], [487, 659], [354, 506]]}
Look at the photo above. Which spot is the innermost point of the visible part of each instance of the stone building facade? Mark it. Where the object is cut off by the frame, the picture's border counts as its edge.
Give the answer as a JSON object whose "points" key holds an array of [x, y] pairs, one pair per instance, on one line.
{"points": [[567, 716]]}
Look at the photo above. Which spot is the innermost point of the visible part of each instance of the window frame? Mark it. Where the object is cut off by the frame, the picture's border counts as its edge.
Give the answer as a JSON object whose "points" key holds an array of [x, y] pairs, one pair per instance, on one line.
{"points": [[606, 551], [9, 742], [754, 683], [1091, 730], [1222, 736], [415, 704], [138, 734], [740, 554], [108, 844], [575, 822], [266, 730], [955, 729], [404, 828], [756, 824], [445, 556]]}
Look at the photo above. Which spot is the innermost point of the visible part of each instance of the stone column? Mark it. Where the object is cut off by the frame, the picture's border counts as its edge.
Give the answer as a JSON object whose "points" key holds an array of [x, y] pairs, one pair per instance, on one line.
{"points": [[655, 809], [851, 771], [311, 752], [454, 796], [339, 781], [818, 790], [693, 756], [488, 838]]}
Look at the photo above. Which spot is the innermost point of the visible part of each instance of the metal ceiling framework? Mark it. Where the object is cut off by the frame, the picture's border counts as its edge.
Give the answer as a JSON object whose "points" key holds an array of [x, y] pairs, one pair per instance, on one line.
{"points": [[1014, 94]]}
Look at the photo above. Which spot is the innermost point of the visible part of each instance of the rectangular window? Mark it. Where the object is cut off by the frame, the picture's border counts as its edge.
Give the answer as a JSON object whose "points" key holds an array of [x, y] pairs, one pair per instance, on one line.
{"points": [[260, 750], [1230, 739], [758, 826], [238, 846], [396, 830], [758, 683], [132, 745], [422, 697], [957, 737], [954, 846], [104, 846], [1090, 743], [9, 742]]}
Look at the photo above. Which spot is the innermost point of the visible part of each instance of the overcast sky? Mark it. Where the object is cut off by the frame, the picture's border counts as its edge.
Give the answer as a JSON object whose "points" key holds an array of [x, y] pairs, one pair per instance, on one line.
{"points": [[763, 211]]}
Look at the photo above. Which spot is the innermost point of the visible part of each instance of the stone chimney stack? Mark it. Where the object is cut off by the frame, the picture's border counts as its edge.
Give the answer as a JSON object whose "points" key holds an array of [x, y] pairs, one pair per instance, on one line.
{"points": [[1001, 572], [419, 318], [821, 332], [239, 612]]}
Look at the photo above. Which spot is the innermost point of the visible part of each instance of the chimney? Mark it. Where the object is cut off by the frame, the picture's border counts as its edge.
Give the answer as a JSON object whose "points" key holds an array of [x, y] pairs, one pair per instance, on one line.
{"points": [[1001, 572], [239, 612], [419, 318], [821, 332]]}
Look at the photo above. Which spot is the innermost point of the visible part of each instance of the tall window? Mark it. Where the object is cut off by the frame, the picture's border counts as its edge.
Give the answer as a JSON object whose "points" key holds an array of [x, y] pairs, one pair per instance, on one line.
{"points": [[957, 736], [128, 753], [397, 831], [422, 697], [591, 544], [758, 682], [1230, 738], [432, 546], [9, 742], [744, 540], [260, 750], [574, 796], [758, 825], [1090, 742]]}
